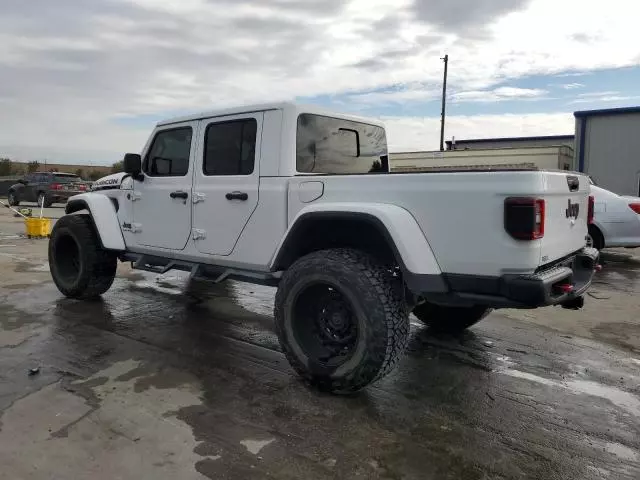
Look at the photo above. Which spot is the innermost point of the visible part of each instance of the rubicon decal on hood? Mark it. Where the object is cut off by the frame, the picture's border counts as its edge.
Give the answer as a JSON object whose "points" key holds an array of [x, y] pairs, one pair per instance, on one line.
{"points": [[110, 181]]}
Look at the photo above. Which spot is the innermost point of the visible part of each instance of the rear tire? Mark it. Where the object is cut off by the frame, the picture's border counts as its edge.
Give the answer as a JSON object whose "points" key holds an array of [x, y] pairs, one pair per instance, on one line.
{"points": [[449, 319], [12, 199], [341, 319], [43, 200], [595, 239], [80, 267]]}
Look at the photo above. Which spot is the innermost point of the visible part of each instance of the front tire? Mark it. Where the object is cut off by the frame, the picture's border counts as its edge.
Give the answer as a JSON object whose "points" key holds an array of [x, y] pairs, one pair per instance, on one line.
{"points": [[449, 319], [12, 199], [80, 267], [341, 319]]}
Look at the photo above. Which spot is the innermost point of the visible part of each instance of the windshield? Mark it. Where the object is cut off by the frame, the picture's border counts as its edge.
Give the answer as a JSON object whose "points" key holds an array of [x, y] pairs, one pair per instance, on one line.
{"points": [[336, 146], [66, 178]]}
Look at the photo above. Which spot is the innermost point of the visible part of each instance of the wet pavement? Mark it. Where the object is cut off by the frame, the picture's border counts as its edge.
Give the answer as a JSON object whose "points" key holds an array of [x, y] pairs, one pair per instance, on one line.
{"points": [[148, 383]]}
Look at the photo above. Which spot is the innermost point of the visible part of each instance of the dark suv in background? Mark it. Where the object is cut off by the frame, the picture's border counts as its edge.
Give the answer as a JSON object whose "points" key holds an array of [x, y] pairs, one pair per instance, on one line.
{"points": [[46, 188]]}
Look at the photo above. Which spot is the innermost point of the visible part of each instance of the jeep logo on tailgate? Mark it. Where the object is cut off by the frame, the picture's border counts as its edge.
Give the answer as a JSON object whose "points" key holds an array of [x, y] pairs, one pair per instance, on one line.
{"points": [[573, 209]]}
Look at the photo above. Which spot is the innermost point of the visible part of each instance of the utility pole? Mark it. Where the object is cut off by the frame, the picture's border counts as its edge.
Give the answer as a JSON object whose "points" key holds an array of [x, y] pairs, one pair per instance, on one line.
{"points": [[444, 100]]}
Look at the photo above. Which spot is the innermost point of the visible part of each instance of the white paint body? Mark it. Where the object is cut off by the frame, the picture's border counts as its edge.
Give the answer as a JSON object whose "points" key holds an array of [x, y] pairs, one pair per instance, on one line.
{"points": [[449, 222], [620, 226]]}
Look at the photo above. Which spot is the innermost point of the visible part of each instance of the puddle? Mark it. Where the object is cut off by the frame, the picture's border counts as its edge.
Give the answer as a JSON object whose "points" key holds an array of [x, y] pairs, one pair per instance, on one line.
{"points": [[616, 396], [254, 298], [40, 268], [16, 257], [620, 398], [531, 377], [621, 451], [254, 446], [170, 284]]}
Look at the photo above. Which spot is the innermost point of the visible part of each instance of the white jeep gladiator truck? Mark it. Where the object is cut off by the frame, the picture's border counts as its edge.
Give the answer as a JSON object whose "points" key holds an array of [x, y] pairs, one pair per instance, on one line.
{"points": [[304, 199]]}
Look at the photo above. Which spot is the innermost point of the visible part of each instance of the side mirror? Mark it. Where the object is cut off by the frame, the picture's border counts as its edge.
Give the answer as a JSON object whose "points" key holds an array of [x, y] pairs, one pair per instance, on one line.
{"points": [[132, 164]]}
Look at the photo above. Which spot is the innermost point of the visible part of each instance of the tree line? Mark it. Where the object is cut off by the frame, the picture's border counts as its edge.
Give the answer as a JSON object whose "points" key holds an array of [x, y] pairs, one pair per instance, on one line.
{"points": [[10, 168]]}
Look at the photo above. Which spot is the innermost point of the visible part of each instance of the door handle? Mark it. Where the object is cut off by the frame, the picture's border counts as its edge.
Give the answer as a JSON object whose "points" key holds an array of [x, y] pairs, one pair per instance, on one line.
{"points": [[183, 195], [237, 196]]}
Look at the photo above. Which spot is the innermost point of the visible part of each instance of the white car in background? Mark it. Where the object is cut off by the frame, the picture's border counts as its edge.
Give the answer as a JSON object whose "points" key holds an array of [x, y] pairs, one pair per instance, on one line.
{"points": [[616, 220]]}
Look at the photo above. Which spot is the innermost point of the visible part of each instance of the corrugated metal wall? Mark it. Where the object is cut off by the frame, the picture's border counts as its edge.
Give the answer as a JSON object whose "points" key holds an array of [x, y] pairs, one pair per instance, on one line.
{"points": [[612, 151]]}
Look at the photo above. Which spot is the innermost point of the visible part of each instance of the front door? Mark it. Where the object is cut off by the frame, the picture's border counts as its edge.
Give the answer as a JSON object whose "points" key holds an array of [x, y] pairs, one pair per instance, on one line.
{"points": [[162, 201], [226, 182]]}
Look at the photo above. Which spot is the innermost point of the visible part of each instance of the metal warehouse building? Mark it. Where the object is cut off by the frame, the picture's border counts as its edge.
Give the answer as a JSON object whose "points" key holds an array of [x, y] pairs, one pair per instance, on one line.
{"points": [[608, 148], [511, 142]]}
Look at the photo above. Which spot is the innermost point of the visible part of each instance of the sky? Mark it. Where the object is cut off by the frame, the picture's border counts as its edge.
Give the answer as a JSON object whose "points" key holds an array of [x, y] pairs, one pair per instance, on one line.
{"points": [[85, 81]]}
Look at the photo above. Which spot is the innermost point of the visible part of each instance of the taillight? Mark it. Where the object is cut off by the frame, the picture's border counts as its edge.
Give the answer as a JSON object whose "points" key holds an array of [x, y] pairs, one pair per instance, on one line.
{"points": [[56, 186], [82, 188], [524, 217], [592, 209], [635, 207]]}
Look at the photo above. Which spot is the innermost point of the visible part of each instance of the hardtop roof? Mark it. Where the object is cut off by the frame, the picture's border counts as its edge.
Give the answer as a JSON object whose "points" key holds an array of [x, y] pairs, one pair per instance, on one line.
{"points": [[291, 108]]}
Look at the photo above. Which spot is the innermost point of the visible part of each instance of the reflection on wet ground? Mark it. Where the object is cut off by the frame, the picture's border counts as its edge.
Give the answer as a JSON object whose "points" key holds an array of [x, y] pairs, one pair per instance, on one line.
{"points": [[621, 271], [200, 389]]}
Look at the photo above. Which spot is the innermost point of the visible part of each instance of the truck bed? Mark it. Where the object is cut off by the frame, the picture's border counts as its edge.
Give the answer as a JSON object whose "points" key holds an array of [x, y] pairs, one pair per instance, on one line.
{"points": [[461, 213]]}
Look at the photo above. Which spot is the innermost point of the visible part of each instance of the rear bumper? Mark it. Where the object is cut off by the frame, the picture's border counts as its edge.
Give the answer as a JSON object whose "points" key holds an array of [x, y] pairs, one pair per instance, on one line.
{"points": [[544, 287], [560, 283]]}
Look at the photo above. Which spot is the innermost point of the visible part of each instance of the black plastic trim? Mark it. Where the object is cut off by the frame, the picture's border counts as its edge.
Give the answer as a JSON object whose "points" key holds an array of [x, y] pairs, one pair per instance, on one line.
{"points": [[525, 291], [415, 282]]}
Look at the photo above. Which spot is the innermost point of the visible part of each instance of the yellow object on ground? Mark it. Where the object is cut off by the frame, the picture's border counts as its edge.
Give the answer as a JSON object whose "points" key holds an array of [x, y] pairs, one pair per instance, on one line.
{"points": [[37, 227]]}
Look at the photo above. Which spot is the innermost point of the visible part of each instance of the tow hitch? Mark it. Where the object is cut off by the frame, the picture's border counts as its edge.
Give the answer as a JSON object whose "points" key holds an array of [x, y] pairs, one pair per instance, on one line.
{"points": [[575, 303]]}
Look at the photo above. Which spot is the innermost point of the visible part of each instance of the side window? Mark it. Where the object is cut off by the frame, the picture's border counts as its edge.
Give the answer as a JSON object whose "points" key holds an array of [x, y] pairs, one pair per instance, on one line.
{"points": [[336, 146], [169, 153], [230, 147]]}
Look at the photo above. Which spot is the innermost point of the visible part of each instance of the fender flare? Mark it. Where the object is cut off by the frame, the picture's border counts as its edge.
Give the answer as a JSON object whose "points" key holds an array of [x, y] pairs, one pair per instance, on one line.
{"points": [[396, 224], [103, 215]]}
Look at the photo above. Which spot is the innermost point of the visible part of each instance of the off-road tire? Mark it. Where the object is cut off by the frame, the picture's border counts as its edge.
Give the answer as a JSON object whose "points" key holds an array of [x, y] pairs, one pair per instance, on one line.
{"points": [[377, 301], [80, 267], [450, 319], [12, 199]]}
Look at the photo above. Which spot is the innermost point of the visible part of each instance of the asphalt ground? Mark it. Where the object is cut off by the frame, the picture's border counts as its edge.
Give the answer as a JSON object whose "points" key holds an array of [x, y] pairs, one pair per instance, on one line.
{"points": [[148, 383]]}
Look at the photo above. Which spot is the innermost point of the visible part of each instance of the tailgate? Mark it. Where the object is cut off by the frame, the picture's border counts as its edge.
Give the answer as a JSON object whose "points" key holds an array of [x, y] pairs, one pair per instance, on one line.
{"points": [[77, 187], [566, 214]]}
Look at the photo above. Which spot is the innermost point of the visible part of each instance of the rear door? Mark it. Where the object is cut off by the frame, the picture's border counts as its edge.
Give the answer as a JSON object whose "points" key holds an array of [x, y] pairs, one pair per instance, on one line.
{"points": [[32, 189], [566, 214], [226, 180]]}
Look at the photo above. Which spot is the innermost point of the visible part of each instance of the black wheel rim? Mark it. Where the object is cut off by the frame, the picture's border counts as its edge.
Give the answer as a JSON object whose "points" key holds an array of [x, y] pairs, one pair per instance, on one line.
{"points": [[324, 324], [67, 258]]}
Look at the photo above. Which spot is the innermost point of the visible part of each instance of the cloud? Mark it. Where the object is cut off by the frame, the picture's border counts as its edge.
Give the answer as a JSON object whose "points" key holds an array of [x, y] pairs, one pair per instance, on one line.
{"points": [[603, 97], [572, 86], [423, 133], [499, 94], [71, 70], [399, 96], [465, 17]]}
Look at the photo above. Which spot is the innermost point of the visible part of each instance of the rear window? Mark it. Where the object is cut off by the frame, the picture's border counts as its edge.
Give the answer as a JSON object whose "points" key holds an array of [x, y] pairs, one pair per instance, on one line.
{"points": [[65, 178], [335, 146]]}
